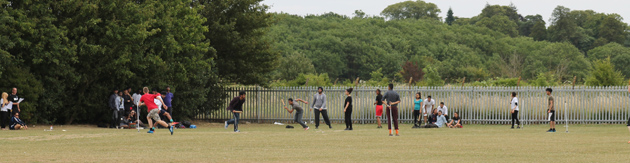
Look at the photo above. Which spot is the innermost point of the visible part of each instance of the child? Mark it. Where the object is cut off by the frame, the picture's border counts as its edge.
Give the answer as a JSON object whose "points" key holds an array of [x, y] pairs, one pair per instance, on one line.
{"points": [[348, 109], [299, 111]]}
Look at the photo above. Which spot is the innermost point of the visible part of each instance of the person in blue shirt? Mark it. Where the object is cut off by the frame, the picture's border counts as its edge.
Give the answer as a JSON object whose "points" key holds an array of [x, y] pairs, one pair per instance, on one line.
{"points": [[441, 120], [416, 110], [168, 100]]}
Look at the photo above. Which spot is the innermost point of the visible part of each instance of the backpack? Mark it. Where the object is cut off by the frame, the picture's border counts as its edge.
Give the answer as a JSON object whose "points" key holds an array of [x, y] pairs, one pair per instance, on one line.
{"points": [[186, 124]]}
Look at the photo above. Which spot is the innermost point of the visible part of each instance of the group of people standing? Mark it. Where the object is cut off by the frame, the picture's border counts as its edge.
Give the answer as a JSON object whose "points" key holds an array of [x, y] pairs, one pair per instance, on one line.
{"points": [[10, 111], [124, 106], [423, 110]]}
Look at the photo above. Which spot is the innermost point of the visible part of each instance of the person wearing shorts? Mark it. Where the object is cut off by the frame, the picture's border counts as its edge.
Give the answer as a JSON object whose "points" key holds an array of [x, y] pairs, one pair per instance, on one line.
{"points": [[551, 111], [379, 107], [428, 108], [153, 110]]}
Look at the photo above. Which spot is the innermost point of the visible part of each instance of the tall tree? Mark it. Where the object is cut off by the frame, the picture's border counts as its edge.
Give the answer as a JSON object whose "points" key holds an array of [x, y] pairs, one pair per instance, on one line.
{"points": [[412, 10], [236, 30], [449, 17], [563, 26], [539, 31]]}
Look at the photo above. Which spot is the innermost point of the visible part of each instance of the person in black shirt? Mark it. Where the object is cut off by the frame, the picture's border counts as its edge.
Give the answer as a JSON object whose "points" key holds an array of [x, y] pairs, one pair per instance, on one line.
{"points": [[379, 107], [348, 109], [456, 121], [14, 98], [236, 107], [128, 101]]}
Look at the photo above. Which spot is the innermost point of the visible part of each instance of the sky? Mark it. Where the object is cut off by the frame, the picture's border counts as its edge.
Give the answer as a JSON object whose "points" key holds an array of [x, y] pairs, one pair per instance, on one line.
{"points": [[461, 8]]}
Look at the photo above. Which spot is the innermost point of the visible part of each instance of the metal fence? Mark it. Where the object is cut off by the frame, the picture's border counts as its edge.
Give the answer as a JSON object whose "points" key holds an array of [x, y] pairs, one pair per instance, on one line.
{"points": [[476, 105]]}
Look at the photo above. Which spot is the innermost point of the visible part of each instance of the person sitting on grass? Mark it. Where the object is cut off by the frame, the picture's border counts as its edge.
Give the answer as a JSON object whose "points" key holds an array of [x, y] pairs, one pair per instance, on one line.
{"points": [[432, 119], [16, 123], [441, 120], [455, 121], [131, 119], [298, 111]]}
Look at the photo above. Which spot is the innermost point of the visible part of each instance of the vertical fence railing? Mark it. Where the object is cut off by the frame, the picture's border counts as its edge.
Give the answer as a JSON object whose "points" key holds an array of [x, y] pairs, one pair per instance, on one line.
{"points": [[476, 105]]}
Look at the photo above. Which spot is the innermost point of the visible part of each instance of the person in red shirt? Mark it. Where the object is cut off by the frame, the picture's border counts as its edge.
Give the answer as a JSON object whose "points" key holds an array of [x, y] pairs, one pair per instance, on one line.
{"points": [[153, 110]]}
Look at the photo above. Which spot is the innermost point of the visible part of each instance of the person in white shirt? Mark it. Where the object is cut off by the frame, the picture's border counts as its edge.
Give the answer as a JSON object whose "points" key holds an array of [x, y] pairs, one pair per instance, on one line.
{"points": [[428, 107], [5, 106], [443, 109], [120, 105], [514, 110], [136, 98]]}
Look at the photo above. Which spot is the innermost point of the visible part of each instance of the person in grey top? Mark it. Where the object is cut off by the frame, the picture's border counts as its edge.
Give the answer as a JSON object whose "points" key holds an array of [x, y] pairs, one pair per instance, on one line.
{"points": [[319, 104], [298, 111], [114, 109], [393, 99]]}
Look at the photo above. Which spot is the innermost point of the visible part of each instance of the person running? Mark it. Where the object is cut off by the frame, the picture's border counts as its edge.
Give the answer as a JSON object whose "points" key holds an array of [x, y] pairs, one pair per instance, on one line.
{"points": [[514, 110], [153, 110], [416, 110], [442, 108], [428, 108], [392, 99], [456, 121], [347, 109], [17, 123], [379, 107], [236, 107], [298, 111], [319, 105], [551, 111], [163, 108], [5, 106]]}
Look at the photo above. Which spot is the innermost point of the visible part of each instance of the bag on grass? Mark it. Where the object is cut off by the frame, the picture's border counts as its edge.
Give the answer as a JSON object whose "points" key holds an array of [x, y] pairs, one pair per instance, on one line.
{"points": [[186, 124]]}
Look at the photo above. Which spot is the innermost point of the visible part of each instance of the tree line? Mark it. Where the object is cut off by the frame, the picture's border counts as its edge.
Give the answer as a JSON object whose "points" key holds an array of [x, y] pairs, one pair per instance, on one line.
{"points": [[66, 57], [409, 40]]}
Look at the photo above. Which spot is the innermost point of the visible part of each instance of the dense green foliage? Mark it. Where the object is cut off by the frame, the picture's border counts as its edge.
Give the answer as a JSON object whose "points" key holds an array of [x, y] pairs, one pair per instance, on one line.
{"points": [[497, 44], [65, 57]]}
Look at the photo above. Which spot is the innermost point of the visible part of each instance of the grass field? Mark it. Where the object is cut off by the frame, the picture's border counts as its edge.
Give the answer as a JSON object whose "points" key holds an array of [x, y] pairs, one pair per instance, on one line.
{"points": [[273, 143]]}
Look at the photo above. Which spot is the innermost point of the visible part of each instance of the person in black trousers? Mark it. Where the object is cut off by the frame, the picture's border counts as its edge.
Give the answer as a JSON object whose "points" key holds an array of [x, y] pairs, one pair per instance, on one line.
{"points": [[348, 109], [5, 106]]}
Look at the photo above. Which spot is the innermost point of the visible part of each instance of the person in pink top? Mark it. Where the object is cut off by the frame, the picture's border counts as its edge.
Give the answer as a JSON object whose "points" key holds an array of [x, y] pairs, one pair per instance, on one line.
{"points": [[153, 110]]}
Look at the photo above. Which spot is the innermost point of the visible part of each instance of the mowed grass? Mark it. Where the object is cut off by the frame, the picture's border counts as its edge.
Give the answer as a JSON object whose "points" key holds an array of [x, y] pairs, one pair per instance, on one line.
{"points": [[273, 143]]}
